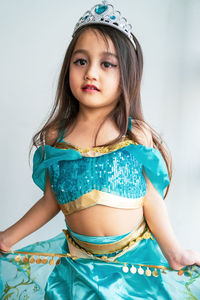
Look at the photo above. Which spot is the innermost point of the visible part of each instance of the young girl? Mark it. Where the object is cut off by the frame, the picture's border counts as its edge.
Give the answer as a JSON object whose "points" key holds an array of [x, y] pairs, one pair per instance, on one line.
{"points": [[107, 170]]}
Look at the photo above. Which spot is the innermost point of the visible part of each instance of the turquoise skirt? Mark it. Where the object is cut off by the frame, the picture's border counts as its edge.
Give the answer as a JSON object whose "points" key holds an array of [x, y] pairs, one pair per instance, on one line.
{"points": [[74, 266]]}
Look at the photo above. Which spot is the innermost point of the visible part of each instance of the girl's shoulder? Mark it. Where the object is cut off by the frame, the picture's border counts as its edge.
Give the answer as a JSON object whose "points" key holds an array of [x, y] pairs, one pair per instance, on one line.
{"points": [[142, 132]]}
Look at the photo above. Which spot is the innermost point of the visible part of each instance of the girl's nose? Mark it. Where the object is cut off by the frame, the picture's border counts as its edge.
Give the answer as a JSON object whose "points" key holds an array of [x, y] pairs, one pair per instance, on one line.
{"points": [[92, 72]]}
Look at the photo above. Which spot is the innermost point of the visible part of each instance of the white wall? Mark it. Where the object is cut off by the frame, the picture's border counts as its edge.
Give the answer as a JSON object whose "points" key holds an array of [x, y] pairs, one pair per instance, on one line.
{"points": [[34, 37]]}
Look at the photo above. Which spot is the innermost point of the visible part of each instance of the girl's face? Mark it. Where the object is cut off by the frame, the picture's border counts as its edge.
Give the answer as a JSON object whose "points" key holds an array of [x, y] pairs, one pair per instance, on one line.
{"points": [[94, 74]]}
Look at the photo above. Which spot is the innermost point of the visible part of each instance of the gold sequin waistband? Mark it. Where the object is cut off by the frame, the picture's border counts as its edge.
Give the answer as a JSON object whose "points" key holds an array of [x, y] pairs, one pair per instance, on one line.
{"points": [[141, 232]]}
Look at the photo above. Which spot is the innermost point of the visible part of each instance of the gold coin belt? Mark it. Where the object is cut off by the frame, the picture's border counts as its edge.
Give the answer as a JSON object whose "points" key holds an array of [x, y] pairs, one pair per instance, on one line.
{"points": [[141, 269]]}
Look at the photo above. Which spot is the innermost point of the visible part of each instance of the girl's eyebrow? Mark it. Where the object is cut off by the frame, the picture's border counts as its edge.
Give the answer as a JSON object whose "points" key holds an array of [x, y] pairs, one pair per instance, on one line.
{"points": [[83, 51]]}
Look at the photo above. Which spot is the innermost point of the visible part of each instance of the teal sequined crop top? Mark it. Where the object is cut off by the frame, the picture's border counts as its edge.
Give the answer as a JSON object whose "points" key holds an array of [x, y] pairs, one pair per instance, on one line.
{"points": [[111, 176]]}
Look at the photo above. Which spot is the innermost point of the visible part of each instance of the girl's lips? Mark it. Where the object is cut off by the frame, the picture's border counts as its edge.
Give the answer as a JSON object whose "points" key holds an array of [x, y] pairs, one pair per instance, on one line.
{"points": [[90, 87]]}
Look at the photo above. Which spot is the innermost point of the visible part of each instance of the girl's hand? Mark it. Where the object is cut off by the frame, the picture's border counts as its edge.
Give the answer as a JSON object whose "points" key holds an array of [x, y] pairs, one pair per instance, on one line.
{"points": [[4, 246], [186, 258]]}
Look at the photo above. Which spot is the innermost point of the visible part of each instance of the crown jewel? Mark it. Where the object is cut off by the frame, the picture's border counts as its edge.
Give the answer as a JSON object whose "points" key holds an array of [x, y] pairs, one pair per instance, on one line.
{"points": [[105, 13]]}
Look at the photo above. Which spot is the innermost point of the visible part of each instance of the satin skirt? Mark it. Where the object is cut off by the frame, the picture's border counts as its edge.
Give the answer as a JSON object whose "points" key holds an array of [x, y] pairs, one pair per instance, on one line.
{"points": [[72, 266]]}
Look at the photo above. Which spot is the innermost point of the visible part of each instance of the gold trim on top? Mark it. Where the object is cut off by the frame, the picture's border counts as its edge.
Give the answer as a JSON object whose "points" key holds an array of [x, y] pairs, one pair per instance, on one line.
{"points": [[98, 149], [99, 197]]}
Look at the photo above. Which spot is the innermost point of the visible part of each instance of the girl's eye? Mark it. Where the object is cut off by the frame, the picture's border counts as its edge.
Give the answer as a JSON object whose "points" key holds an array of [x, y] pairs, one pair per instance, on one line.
{"points": [[108, 65], [83, 62], [80, 62]]}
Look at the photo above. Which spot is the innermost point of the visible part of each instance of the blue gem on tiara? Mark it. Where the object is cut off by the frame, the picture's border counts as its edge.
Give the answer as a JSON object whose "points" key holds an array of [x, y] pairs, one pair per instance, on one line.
{"points": [[112, 17], [101, 9], [85, 17]]}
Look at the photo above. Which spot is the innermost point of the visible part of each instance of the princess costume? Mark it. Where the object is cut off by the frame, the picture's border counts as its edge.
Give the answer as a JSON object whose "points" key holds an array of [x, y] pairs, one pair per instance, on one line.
{"points": [[75, 266]]}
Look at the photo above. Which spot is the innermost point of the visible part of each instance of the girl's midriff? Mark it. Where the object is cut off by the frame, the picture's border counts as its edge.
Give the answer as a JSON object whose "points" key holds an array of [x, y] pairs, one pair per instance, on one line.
{"points": [[101, 220]]}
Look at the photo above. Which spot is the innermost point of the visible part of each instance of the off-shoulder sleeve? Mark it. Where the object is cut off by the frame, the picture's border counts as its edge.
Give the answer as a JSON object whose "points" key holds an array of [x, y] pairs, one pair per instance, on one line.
{"points": [[51, 156], [154, 166]]}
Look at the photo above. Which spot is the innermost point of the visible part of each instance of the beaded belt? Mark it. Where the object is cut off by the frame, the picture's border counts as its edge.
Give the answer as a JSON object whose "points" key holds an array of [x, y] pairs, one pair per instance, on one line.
{"points": [[138, 234], [127, 243]]}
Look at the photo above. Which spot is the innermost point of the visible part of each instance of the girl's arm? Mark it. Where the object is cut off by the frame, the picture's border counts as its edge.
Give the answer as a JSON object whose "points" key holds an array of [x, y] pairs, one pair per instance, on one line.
{"points": [[42, 212], [156, 215]]}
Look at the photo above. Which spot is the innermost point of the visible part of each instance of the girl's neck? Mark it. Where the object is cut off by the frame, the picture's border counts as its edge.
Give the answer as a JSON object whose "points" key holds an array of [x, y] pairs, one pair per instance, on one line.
{"points": [[92, 116], [83, 132]]}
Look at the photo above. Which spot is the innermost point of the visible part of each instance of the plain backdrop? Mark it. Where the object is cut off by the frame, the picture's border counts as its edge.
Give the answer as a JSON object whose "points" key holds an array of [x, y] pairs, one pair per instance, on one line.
{"points": [[34, 38]]}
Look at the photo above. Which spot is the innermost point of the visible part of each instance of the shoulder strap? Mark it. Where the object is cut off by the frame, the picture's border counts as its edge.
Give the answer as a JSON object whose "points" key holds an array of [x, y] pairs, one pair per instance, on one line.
{"points": [[130, 123]]}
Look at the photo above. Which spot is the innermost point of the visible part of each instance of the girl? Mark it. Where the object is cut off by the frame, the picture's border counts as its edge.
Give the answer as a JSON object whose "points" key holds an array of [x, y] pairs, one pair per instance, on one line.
{"points": [[106, 169]]}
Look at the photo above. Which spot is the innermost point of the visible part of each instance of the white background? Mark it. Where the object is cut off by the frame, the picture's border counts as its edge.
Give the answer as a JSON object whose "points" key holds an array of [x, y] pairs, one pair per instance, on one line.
{"points": [[34, 38]]}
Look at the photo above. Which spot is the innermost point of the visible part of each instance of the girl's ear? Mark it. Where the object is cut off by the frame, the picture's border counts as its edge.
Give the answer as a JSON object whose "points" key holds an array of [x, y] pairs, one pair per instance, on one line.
{"points": [[142, 132]]}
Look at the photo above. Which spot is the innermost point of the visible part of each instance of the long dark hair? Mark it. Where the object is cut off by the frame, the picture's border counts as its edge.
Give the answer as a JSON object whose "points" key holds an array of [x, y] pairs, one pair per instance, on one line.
{"points": [[66, 106]]}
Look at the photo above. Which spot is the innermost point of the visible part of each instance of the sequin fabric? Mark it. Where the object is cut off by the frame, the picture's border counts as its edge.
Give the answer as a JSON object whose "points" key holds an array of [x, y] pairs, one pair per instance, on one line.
{"points": [[118, 172]]}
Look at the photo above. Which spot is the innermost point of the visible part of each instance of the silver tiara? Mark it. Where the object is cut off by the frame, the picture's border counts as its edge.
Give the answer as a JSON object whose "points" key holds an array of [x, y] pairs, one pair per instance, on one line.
{"points": [[105, 13]]}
